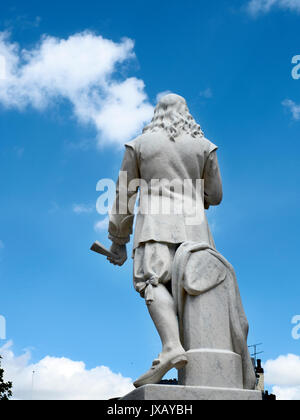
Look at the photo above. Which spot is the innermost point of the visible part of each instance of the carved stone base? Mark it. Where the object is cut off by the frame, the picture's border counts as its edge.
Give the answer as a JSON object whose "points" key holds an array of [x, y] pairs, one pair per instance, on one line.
{"points": [[190, 393], [212, 368]]}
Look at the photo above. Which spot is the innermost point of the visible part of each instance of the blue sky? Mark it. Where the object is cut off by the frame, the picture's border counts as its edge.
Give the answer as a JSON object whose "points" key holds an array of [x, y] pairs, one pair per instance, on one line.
{"points": [[233, 66]]}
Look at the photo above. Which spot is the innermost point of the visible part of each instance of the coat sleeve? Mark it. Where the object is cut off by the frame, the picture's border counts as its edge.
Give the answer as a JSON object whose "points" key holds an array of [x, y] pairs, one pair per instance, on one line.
{"points": [[213, 191], [122, 213]]}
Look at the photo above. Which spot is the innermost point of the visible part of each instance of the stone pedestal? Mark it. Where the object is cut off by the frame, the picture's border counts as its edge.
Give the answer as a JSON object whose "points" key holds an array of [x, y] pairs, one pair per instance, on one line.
{"points": [[207, 338], [209, 375], [190, 393], [213, 328], [212, 368]]}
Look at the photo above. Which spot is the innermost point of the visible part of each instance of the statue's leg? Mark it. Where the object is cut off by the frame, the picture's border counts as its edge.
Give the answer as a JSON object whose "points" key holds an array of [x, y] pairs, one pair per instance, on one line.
{"points": [[163, 313], [152, 274]]}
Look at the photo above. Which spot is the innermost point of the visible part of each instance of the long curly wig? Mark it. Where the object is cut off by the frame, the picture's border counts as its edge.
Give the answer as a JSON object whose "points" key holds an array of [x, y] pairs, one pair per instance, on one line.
{"points": [[172, 115]]}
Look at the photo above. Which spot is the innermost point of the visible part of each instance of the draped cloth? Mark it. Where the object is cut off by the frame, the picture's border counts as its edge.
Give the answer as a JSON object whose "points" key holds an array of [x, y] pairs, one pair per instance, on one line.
{"points": [[215, 270]]}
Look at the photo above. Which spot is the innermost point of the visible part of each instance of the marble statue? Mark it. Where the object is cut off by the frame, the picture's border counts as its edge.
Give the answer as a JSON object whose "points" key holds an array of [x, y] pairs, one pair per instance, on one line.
{"points": [[190, 289]]}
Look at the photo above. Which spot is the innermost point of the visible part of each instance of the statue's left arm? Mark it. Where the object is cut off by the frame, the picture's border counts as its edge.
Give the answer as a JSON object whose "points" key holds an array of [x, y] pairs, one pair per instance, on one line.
{"points": [[122, 214], [213, 191]]}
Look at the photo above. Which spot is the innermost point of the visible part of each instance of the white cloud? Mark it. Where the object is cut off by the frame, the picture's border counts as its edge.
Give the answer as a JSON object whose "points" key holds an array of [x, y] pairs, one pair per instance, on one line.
{"points": [[82, 69], [2, 67], [264, 6], [101, 225], [60, 378], [83, 208], [1, 244], [293, 107], [207, 93], [286, 393], [284, 374]]}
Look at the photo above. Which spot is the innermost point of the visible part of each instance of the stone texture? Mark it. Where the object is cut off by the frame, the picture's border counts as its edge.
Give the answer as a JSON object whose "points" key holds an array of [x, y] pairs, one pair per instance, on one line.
{"points": [[156, 155], [212, 368], [213, 324], [190, 393], [206, 321], [203, 315]]}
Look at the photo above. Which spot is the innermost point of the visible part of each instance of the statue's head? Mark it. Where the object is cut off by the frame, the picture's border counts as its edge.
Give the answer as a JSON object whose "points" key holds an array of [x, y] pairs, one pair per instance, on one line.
{"points": [[172, 115]]}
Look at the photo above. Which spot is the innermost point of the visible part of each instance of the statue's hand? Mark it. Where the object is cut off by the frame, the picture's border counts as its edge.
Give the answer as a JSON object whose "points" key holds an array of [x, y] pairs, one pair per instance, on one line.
{"points": [[120, 252]]}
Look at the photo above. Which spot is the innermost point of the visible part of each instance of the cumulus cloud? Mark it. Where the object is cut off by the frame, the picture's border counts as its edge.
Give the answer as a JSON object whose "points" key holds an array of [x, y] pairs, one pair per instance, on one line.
{"points": [[264, 6], [84, 70], [2, 67], [293, 107], [57, 378], [83, 208], [283, 374], [101, 225], [207, 93]]}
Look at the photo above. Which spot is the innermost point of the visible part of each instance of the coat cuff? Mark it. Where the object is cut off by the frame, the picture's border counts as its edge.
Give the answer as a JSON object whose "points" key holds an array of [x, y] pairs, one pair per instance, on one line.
{"points": [[119, 241]]}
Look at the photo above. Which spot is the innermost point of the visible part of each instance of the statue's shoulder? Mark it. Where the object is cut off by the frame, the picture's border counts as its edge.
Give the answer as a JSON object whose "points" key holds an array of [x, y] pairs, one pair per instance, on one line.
{"points": [[140, 140], [208, 145], [134, 144]]}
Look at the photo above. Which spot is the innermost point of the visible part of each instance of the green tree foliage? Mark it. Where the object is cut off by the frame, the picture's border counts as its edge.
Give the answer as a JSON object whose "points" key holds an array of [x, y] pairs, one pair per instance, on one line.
{"points": [[5, 387]]}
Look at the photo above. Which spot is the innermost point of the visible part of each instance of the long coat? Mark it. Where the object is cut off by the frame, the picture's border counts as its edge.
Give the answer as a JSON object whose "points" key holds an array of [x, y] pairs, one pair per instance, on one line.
{"points": [[154, 156]]}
